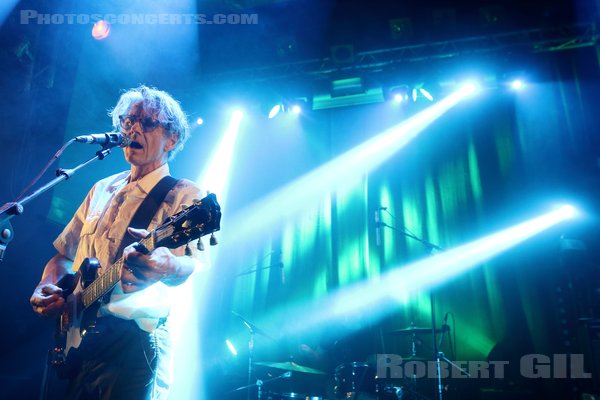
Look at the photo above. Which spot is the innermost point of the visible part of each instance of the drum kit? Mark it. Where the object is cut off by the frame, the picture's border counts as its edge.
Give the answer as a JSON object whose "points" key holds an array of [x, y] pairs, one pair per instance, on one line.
{"points": [[351, 381]]}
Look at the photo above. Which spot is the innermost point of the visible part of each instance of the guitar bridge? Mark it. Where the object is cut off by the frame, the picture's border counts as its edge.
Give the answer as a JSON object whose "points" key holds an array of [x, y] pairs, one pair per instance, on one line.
{"points": [[56, 357]]}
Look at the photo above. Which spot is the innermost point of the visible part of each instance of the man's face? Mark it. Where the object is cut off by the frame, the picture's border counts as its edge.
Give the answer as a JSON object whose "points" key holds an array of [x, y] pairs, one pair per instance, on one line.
{"points": [[150, 144]]}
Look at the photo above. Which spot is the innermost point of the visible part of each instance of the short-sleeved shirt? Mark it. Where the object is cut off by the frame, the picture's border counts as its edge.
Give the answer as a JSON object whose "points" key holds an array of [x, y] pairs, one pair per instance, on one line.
{"points": [[98, 226]]}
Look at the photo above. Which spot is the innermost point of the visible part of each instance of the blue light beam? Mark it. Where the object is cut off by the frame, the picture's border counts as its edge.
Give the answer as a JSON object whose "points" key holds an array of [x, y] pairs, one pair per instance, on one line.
{"points": [[377, 297], [337, 174], [216, 176], [191, 296]]}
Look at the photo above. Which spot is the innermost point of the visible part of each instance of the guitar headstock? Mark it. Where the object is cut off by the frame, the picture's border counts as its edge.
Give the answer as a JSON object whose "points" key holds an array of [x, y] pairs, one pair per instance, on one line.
{"points": [[200, 219]]}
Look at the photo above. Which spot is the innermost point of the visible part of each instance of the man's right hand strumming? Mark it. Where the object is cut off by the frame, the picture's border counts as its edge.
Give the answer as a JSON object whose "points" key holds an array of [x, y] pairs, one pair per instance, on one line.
{"points": [[47, 301]]}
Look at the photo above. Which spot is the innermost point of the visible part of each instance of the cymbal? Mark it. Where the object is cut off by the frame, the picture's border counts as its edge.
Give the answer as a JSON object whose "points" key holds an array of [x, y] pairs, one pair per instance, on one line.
{"points": [[414, 358], [290, 366], [413, 330]]}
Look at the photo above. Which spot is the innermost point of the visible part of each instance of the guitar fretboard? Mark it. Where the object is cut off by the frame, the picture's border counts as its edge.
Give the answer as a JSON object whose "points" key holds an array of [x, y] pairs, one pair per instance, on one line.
{"points": [[105, 282]]}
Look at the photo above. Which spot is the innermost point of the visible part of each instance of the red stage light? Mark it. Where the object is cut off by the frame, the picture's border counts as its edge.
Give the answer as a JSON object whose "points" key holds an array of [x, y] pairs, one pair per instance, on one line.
{"points": [[101, 30]]}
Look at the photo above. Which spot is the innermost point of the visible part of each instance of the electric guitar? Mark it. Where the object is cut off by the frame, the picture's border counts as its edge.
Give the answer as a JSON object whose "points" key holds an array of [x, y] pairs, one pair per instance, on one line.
{"points": [[85, 291]]}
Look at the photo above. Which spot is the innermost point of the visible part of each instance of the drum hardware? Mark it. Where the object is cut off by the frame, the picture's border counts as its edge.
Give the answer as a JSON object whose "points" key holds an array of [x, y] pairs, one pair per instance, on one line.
{"points": [[413, 330], [306, 376], [252, 330], [290, 366], [260, 382], [431, 248], [415, 358], [291, 396], [390, 393], [355, 380]]}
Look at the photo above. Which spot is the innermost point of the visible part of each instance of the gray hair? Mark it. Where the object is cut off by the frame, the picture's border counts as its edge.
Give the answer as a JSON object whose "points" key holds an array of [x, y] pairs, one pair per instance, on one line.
{"points": [[161, 106]]}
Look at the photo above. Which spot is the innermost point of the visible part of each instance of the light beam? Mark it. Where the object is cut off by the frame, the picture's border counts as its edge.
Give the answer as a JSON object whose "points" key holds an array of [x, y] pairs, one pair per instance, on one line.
{"points": [[191, 296], [378, 297], [337, 174]]}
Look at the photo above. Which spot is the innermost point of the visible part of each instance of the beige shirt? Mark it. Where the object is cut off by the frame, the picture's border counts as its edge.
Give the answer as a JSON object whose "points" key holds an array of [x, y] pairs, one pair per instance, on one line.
{"points": [[99, 224]]}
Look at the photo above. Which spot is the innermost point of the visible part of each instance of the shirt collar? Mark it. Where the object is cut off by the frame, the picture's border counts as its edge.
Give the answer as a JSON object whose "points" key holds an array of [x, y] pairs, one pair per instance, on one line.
{"points": [[147, 182]]}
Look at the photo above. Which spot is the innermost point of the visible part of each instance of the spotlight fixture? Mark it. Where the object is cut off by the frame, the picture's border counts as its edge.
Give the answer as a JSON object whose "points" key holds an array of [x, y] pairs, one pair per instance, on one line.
{"points": [[426, 94], [293, 106], [517, 84], [342, 54], [568, 211], [401, 29], [231, 347], [275, 110], [398, 94], [199, 121], [470, 88], [237, 114], [298, 105], [419, 91]]}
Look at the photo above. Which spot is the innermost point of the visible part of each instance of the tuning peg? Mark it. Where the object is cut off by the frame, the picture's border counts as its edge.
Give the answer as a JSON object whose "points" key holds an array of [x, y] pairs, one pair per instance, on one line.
{"points": [[197, 201], [213, 240], [188, 251], [200, 245], [184, 206]]}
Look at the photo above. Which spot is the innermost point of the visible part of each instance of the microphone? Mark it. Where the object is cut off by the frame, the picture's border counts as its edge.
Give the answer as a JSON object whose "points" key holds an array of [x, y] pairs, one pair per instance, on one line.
{"points": [[110, 139], [378, 225]]}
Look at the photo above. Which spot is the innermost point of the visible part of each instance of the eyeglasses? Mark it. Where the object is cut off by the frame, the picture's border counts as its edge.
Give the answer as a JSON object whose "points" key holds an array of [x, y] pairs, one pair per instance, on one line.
{"points": [[147, 123]]}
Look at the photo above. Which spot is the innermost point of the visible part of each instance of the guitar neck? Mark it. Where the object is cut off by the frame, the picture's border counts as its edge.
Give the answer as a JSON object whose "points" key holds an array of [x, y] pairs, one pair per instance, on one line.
{"points": [[105, 282]]}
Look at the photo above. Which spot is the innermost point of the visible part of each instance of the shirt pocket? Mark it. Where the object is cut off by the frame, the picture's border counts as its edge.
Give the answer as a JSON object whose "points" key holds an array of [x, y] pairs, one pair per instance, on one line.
{"points": [[90, 225]]}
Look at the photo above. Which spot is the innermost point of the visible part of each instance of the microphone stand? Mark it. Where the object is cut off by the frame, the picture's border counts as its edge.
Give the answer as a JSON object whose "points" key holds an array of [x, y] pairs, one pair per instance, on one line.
{"points": [[255, 268], [431, 247], [12, 209], [251, 271]]}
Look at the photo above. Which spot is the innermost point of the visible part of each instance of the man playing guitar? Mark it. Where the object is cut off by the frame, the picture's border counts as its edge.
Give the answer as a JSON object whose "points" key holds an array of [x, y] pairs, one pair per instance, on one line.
{"points": [[129, 336]]}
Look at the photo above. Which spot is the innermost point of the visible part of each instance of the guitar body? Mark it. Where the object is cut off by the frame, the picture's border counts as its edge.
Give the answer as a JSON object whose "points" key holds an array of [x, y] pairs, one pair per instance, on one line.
{"points": [[75, 322], [85, 291]]}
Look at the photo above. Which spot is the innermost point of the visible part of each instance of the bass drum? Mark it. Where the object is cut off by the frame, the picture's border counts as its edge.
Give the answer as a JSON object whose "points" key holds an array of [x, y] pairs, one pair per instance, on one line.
{"points": [[355, 381]]}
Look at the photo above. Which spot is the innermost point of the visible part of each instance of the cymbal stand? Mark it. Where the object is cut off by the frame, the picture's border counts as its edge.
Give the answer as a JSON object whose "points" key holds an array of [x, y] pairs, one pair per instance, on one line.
{"points": [[260, 383], [413, 354], [431, 248], [251, 360], [252, 329]]}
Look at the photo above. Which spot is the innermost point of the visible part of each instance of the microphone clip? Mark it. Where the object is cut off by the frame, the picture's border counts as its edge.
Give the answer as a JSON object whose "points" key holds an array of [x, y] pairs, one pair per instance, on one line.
{"points": [[106, 140]]}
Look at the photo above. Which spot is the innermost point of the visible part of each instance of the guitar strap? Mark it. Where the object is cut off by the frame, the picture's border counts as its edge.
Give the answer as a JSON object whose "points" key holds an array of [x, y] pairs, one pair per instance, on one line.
{"points": [[143, 216]]}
